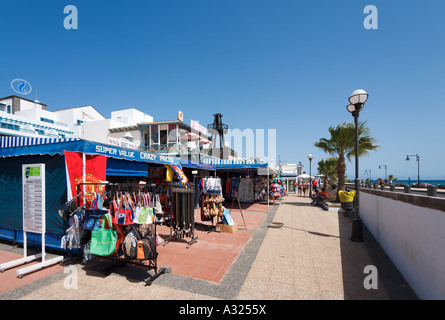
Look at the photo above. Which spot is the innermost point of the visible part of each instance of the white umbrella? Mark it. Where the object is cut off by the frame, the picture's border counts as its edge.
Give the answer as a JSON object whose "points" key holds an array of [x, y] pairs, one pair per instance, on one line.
{"points": [[190, 136]]}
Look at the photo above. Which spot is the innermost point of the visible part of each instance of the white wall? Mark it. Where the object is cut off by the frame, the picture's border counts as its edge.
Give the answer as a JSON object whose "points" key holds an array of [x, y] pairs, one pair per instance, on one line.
{"points": [[98, 130], [71, 115], [413, 237], [131, 116]]}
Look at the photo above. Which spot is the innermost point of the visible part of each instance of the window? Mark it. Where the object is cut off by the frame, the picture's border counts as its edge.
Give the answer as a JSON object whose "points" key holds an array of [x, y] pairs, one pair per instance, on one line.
{"points": [[172, 133], [10, 126], [154, 135], [163, 137], [46, 120]]}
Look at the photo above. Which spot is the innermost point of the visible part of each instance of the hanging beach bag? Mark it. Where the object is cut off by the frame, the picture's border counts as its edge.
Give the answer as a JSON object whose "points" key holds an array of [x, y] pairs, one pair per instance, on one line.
{"points": [[158, 206], [122, 212], [91, 219], [146, 213], [103, 241]]}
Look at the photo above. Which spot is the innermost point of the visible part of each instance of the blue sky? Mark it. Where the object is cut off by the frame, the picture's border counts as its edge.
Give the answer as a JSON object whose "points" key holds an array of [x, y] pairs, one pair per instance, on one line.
{"points": [[287, 65]]}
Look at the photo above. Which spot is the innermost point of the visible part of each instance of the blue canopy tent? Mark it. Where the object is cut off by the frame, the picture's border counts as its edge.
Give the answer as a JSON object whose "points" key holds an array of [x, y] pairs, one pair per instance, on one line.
{"points": [[16, 151]]}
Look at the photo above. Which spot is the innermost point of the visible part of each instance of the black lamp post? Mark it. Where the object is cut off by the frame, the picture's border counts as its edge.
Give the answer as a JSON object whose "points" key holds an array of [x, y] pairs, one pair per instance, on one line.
{"points": [[418, 166], [356, 103], [386, 170], [310, 175], [368, 171]]}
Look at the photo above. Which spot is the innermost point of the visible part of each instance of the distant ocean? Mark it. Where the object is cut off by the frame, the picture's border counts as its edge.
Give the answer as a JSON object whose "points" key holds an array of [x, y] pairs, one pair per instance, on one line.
{"points": [[433, 182]]}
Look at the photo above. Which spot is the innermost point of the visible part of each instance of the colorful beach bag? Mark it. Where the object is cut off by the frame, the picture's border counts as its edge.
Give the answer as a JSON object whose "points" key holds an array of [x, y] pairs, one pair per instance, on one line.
{"points": [[91, 219], [103, 241], [146, 213], [123, 213]]}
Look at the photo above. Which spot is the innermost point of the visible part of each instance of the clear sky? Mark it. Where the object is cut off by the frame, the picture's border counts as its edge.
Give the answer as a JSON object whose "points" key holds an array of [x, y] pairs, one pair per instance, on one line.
{"points": [[288, 65]]}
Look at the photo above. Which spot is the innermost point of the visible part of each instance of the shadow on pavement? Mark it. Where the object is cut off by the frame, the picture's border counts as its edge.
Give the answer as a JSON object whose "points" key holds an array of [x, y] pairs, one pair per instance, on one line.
{"points": [[355, 256]]}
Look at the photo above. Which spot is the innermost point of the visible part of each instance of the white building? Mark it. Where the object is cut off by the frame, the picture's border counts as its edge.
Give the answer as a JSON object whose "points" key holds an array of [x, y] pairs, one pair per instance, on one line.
{"points": [[26, 118], [75, 117]]}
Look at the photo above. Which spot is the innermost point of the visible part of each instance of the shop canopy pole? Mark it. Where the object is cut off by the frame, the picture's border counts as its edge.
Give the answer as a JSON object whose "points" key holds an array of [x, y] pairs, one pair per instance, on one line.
{"points": [[84, 176], [268, 195]]}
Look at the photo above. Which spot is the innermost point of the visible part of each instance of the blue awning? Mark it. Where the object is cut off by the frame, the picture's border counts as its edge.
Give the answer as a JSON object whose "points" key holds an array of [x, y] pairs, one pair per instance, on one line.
{"points": [[117, 167], [87, 147], [197, 165], [240, 166]]}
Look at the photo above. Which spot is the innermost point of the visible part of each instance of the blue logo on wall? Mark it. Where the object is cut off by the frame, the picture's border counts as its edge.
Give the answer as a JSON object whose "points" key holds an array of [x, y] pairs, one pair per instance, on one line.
{"points": [[21, 86]]}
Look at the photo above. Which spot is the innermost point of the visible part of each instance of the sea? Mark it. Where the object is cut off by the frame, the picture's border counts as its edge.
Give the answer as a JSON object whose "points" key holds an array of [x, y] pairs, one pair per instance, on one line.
{"points": [[406, 182]]}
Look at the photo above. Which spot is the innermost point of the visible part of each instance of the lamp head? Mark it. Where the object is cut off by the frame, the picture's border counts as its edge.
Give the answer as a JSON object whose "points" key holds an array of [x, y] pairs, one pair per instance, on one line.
{"points": [[309, 156], [358, 97], [407, 158]]}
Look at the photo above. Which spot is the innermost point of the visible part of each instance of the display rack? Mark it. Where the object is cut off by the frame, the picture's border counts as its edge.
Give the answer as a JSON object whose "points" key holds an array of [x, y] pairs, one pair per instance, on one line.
{"points": [[117, 261], [182, 222]]}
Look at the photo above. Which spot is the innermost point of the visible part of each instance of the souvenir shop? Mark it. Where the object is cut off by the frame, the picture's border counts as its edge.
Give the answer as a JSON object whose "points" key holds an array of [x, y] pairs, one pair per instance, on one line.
{"points": [[101, 201], [251, 182]]}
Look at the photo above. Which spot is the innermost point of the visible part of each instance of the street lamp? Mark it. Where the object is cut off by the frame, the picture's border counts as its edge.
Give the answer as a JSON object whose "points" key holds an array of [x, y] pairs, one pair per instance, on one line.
{"points": [[356, 104], [310, 175], [418, 166], [386, 170], [368, 171]]}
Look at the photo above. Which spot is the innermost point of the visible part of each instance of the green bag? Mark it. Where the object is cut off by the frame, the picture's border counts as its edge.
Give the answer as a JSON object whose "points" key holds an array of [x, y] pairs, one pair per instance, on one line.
{"points": [[103, 241]]}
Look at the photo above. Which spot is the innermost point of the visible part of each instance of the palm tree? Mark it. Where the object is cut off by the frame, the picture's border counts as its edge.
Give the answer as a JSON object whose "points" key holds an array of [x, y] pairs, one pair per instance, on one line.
{"points": [[328, 168], [341, 143]]}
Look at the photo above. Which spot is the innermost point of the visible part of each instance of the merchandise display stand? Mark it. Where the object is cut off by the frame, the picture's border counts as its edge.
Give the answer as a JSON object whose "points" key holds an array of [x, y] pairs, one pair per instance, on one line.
{"points": [[34, 219], [239, 206], [114, 189], [182, 222]]}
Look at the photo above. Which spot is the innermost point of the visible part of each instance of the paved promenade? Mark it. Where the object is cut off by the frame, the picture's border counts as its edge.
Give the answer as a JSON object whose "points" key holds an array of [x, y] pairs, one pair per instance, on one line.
{"points": [[299, 252]]}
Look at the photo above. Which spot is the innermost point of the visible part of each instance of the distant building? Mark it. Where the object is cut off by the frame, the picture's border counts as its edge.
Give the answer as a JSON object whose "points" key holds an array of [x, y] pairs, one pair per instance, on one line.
{"points": [[291, 169], [128, 128], [26, 118], [172, 137]]}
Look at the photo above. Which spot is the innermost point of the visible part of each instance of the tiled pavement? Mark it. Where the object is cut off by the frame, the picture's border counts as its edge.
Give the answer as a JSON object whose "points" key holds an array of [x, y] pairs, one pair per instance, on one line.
{"points": [[296, 251]]}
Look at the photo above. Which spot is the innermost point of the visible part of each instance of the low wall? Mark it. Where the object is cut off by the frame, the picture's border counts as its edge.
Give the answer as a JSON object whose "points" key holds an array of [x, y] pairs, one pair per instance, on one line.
{"points": [[411, 230]]}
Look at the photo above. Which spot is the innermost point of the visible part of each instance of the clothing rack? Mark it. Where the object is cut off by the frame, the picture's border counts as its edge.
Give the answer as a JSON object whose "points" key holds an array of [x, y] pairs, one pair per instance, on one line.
{"points": [[118, 261], [182, 222]]}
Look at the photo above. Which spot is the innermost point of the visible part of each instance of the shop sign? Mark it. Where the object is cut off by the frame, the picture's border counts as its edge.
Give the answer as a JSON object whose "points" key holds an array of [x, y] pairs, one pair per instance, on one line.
{"points": [[124, 143], [263, 171], [195, 125], [34, 198]]}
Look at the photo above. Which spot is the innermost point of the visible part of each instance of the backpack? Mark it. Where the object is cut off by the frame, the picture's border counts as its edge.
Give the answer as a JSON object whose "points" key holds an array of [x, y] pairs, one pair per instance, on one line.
{"points": [[146, 249], [129, 245]]}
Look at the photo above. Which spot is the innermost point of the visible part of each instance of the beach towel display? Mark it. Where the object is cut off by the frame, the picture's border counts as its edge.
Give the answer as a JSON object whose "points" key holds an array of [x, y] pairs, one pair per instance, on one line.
{"points": [[260, 187], [245, 190]]}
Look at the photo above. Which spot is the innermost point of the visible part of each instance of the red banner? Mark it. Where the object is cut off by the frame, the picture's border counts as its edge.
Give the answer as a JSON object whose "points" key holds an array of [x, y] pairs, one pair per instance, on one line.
{"points": [[95, 172]]}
